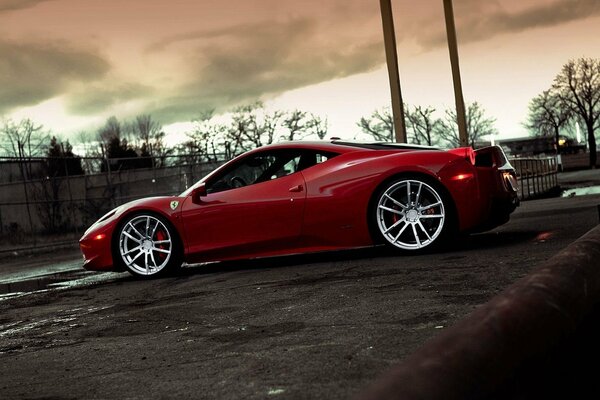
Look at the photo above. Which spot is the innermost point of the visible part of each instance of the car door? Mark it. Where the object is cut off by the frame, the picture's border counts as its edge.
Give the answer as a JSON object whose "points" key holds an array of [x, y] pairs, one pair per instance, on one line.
{"points": [[253, 208]]}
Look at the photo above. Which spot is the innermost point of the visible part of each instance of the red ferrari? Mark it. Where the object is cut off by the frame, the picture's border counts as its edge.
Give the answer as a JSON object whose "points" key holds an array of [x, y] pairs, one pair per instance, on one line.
{"points": [[306, 197]]}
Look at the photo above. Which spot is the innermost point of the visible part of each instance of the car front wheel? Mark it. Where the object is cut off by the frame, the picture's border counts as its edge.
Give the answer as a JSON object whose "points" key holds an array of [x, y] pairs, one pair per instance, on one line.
{"points": [[411, 214], [147, 246]]}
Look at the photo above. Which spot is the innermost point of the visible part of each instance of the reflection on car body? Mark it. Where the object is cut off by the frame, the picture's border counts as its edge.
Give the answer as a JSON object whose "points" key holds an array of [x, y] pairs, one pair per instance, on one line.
{"points": [[305, 197]]}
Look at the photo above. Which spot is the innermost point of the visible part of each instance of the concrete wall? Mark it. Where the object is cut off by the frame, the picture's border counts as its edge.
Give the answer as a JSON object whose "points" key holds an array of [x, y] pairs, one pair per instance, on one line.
{"points": [[83, 199]]}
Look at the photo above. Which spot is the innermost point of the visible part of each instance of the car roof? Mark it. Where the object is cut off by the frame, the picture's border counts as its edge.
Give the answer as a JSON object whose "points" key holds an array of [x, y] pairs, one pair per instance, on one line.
{"points": [[342, 146]]}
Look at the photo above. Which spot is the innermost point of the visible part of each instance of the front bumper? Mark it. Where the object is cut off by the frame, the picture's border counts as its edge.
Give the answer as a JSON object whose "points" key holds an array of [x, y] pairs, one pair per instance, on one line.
{"points": [[96, 250]]}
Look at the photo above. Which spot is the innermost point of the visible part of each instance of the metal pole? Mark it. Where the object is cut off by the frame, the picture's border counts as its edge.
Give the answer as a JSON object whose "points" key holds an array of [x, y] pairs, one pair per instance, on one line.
{"points": [[24, 179], [66, 167], [108, 175], [389, 39], [458, 94], [153, 168]]}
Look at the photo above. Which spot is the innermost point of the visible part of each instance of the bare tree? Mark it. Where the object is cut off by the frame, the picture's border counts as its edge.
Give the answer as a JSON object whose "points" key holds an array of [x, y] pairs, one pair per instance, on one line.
{"points": [[478, 125], [244, 133], [23, 139], [379, 125], [251, 126], [254, 126], [88, 145], [271, 124], [49, 192], [149, 132], [578, 86], [317, 126], [118, 151], [112, 129], [146, 128], [422, 125], [548, 113], [295, 122], [202, 138]]}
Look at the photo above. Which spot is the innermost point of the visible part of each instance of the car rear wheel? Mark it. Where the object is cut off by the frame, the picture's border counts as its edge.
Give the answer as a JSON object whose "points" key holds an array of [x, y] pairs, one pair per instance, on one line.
{"points": [[411, 214], [147, 246]]}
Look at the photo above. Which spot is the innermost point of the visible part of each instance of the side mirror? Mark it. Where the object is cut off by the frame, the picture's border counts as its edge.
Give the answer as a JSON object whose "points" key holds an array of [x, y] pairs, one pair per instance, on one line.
{"points": [[198, 192]]}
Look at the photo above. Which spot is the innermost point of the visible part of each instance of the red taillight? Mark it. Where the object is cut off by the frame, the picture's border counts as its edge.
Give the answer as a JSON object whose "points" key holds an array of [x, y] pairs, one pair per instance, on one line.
{"points": [[510, 181], [100, 236]]}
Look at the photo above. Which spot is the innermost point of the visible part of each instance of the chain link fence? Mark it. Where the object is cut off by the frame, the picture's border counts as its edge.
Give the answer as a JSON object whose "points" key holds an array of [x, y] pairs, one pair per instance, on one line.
{"points": [[43, 204]]}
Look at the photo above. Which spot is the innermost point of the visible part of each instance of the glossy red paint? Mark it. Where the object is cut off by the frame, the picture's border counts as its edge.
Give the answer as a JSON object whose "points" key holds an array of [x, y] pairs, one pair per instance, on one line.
{"points": [[252, 220], [98, 253], [320, 207]]}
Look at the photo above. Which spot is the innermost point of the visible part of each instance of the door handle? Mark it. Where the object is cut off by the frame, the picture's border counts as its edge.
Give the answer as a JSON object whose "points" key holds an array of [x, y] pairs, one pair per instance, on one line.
{"points": [[297, 188]]}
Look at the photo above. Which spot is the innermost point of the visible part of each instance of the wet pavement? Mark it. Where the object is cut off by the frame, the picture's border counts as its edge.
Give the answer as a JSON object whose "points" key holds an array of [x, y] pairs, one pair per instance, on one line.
{"points": [[311, 326], [29, 266], [23, 275], [66, 280]]}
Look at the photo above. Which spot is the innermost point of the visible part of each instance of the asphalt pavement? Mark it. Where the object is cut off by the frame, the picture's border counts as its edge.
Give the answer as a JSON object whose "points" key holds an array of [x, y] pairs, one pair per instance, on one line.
{"points": [[312, 326], [577, 179]]}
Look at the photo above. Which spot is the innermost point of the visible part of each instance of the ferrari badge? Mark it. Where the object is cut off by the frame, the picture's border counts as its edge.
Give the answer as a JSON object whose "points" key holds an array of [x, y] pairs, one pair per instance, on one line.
{"points": [[174, 205]]}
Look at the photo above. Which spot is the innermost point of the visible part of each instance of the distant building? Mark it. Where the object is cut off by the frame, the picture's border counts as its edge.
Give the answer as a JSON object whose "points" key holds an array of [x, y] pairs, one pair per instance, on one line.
{"points": [[539, 145]]}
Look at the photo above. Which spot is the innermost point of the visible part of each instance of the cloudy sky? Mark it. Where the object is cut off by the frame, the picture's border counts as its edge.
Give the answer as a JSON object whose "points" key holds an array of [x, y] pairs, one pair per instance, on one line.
{"points": [[70, 64]]}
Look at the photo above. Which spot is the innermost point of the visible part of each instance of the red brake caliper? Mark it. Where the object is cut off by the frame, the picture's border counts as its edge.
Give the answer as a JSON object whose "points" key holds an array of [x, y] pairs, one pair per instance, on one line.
{"points": [[160, 235]]}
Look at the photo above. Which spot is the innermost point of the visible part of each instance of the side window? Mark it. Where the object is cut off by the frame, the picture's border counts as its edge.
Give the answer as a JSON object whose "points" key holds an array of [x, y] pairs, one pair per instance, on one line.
{"points": [[257, 168], [289, 168], [322, 157], [311, 158]]}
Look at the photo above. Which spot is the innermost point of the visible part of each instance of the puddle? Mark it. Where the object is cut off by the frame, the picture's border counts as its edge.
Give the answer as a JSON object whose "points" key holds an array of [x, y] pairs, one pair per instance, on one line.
{"points": [[581, 191]]}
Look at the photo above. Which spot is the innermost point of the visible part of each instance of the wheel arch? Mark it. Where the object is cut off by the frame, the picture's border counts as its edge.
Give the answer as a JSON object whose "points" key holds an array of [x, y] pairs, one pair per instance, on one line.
{"points": [[429, 178], [127, 215]]}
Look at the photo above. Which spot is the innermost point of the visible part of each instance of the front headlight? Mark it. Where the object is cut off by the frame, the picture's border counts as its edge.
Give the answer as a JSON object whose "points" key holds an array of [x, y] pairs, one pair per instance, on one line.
{"points": [[109, 214], [105, 217]]}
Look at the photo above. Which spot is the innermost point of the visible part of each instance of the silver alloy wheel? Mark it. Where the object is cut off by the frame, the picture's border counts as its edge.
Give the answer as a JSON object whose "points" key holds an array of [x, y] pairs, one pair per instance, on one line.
{"points": [[145, 245], [410, 214]]}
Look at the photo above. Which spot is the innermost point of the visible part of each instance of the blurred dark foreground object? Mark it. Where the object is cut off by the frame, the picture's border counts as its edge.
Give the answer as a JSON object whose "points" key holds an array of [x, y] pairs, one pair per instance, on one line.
{"points": [[539, 338]]}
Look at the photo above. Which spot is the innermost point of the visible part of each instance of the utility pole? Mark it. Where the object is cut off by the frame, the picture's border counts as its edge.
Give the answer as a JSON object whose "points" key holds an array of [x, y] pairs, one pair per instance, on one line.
{"points": [[389, 39], [24, 178], [458, 94]]}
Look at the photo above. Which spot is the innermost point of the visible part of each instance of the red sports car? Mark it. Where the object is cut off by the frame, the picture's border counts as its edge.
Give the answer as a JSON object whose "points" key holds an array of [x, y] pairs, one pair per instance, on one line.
{"points": [[305, 197]]}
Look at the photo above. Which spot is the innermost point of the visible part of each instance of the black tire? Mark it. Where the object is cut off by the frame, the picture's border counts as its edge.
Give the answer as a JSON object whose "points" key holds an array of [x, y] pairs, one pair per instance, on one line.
{"points": [[421, 221], [147, 245]]}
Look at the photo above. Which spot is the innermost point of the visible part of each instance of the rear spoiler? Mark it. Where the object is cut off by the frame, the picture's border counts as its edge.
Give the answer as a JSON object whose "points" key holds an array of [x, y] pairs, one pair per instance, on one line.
{"points": [[492, 156], [464, 152]]}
